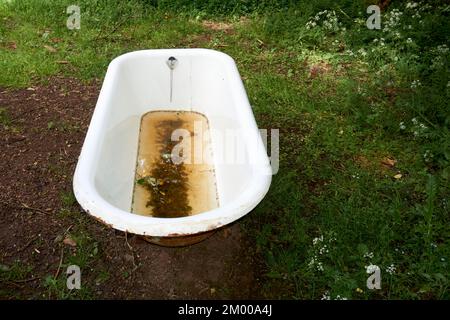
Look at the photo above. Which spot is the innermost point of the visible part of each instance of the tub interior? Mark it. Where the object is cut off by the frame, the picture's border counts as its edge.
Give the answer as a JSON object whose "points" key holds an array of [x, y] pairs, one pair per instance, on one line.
{"points": [[175, 174], [141, 85]]}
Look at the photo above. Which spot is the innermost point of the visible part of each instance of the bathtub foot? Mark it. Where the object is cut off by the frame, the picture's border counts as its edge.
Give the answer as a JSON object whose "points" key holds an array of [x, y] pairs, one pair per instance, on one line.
{"points": [[179, 241]]}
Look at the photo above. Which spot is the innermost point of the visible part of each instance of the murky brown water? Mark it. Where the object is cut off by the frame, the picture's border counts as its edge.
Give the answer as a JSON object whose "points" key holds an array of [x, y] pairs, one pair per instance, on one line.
{"points": [[162, 187]]}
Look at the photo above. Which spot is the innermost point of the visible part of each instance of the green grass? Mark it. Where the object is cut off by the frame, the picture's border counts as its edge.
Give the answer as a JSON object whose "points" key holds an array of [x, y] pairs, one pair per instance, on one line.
{"points": [[5, 119], [62, 126], [84, 255], [7, 123], [29, 28], [344, 100], [16, 272], [13, 275]]}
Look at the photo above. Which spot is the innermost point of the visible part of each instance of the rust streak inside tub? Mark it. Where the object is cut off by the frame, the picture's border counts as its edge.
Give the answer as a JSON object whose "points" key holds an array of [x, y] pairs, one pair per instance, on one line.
{"points": [[165, 186]]}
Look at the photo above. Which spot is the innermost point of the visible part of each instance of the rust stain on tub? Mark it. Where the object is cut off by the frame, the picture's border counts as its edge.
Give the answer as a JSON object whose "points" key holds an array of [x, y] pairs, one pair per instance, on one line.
{"points": [[180, 240], [176, 234], [100, 220]]}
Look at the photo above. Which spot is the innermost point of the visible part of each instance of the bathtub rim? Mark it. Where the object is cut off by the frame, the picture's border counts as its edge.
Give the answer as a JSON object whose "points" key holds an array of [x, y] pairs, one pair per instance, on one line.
{"points": [[98, 207]]}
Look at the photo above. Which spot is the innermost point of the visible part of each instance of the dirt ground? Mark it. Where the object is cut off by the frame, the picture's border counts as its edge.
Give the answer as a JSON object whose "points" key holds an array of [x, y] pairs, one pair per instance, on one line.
{"points": [[39, 150]]}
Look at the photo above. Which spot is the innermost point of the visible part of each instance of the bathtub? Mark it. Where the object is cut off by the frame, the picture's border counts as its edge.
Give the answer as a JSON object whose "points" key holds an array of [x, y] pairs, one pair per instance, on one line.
{"points": [[204, 81]]}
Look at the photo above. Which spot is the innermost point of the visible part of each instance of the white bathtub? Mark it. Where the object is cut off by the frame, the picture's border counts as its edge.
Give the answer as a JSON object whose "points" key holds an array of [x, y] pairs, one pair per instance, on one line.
{"points": [[204, 81]]}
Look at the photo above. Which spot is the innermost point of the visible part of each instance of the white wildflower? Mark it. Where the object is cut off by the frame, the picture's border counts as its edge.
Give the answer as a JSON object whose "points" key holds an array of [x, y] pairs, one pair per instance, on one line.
{"points": [[323, 250], [411, 5], [442, 49], [372, 268], [392, 20], [319, 266], [427, 156], [391, 269], [362, 52], [326, 296], [317, 240], [415, 84], [315, 264]]}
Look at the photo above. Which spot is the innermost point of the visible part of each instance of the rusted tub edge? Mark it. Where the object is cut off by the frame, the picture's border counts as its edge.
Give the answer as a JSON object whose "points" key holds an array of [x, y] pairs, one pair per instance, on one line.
{"points": [[171, 240], [180, 241]]}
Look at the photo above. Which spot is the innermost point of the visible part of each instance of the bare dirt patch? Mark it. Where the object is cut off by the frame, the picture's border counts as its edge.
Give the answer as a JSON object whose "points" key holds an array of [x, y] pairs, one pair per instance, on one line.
{"points": [[40, 141], [218, 26]]}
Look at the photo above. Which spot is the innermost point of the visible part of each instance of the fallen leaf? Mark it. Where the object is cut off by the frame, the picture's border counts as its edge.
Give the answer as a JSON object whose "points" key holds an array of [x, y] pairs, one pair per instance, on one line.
{"points": [[58, 238], [213, 290], [226, 232], [398, 176], [389, 162], [12, 45], [70, 242], [50, 48], [129, 258], [319, 69]]}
